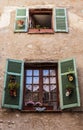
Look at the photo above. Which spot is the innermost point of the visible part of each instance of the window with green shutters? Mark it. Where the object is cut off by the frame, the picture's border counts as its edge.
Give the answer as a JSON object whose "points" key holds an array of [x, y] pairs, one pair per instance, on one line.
{"points": [[21, 20], [61, 24], [41, 86], [41, 20]]}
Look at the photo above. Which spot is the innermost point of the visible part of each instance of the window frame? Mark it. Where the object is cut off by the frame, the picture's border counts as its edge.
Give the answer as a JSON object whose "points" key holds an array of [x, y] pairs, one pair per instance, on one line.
{"points": [[41, 11], [40, 67]]}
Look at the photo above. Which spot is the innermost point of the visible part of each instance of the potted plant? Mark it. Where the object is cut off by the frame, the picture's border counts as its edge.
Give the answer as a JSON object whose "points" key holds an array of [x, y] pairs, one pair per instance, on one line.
{"points": [[13, 86], [69, 90], [20, 23], [70, 77]]}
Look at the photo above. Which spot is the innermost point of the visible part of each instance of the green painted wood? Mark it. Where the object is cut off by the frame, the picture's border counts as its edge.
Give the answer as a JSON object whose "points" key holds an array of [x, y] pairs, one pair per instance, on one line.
{"points": [[66, 67], [61, 24], [13, 67], [21, 14]]}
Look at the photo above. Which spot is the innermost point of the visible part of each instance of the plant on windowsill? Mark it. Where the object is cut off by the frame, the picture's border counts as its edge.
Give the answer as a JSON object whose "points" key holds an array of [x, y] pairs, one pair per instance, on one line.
{"points": [[38, 27], [13, 86], [20, 23]]}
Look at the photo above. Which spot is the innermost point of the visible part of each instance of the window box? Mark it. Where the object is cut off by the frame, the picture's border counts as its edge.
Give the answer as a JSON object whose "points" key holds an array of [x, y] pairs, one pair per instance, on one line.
{"points": [[40, 31]]}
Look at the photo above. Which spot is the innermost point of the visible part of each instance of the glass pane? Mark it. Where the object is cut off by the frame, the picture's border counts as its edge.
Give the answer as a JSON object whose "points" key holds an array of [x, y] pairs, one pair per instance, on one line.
{"points": [[53, 88], [28, 87], [35, 80], [45, 72], [36, 72], [35, 97], [52, 80], [46, 88], [28, 80], [28, 72], [45, 97], [35, 88], [52, 72], [53, 96], [46, 80]]}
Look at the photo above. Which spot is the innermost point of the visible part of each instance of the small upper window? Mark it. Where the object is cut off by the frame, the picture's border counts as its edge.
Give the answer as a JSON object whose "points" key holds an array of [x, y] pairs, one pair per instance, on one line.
{"points": [[40, 21]]}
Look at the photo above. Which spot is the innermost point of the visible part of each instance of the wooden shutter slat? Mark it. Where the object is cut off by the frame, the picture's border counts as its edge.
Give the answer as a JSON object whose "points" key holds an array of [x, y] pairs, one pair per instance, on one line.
{"points": [[61, 24], [74, 99], [9, 101]]}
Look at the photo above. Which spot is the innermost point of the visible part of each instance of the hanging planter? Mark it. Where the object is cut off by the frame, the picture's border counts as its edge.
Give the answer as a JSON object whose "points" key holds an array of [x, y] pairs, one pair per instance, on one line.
{"points": [[70, 77], [13, 86], [69, 90]]}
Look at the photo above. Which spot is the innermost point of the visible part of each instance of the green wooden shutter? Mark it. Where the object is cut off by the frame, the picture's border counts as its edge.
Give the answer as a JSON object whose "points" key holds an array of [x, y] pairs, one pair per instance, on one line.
{"points": [[15, 68], [21, 15], [66, 67], [61, 24]]}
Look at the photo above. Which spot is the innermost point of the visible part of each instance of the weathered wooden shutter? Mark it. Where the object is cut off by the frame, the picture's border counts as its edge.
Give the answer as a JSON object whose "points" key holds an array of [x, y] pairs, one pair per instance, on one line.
{"points": [[61, 24], [73, 100], [15, 68], [22, 16]]}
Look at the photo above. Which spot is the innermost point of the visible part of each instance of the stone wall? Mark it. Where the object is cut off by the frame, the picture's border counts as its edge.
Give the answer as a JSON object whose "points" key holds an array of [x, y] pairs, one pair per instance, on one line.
{"points": [[41, 47]]}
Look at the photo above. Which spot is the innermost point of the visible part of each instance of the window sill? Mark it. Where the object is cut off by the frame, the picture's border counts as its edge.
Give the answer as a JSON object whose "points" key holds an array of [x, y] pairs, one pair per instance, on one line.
{"points": [[40, 31]]}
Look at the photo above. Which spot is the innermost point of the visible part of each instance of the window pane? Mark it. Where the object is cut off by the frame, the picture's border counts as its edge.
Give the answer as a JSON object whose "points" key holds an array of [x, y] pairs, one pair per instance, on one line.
{"points": [[28, 80], [45, 97], [35, 88], [29, 87], [45, 72], [46, 88], [53, 80], [53, 88], [52, 72], [53, 96], [35, 97], [28, 72], [46, 80], [35, 80], [36, 72]]}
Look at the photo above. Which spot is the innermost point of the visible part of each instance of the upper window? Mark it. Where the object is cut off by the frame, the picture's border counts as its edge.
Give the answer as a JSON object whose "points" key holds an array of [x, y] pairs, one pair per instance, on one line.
{"points": [[43, 20], [44, 86], [40, 21]]}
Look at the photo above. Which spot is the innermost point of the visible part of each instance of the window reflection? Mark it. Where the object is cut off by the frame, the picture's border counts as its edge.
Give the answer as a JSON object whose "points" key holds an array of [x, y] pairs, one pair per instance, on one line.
{"points": [[45, 72], [35, 80], [28, 80], [28, 72], [46, 80], [46, 88], [35, 88], [52, 72], [53, 80], [36, 72], [29, 87]]}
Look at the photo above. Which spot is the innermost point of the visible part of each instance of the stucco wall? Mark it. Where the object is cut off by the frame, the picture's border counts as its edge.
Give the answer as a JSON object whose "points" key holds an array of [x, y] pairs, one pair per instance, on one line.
{"points": [[41, 47]]}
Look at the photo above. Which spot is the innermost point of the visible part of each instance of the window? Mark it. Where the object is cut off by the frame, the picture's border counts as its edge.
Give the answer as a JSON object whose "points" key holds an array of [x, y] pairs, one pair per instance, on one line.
{"points": [[41, 20], [41, 86], [44, 86]]}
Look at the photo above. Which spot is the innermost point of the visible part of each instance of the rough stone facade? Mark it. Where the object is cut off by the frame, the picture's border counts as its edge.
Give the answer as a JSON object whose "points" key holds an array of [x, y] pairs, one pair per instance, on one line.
{"points": [[41, 47]]}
